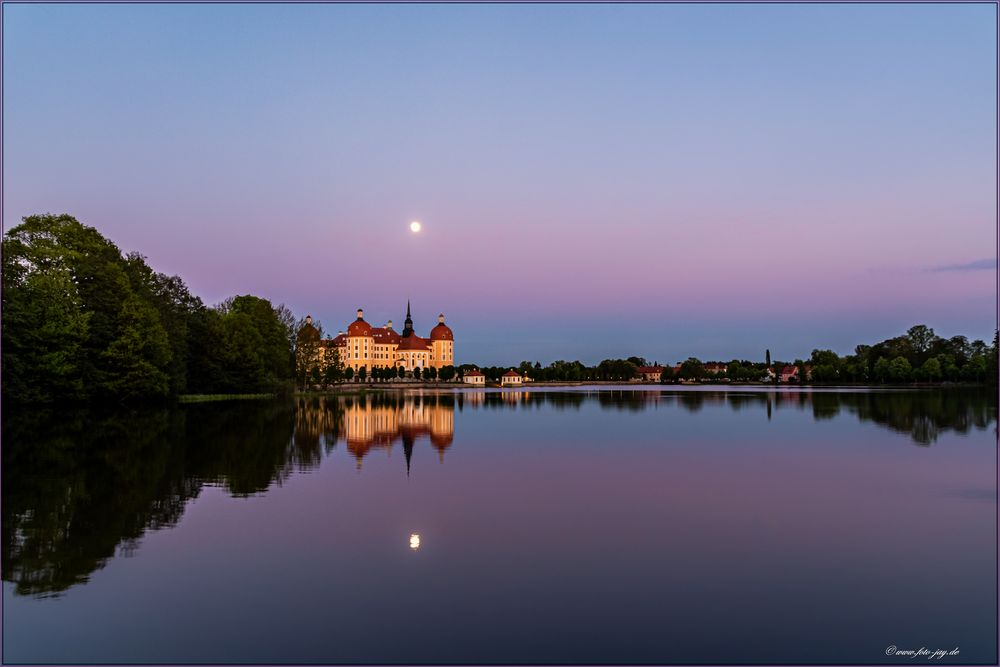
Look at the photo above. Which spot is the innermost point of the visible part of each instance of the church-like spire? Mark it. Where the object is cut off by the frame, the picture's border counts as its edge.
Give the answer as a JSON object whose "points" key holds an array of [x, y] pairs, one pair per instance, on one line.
{"points": [[407, 450], [408, 324]]}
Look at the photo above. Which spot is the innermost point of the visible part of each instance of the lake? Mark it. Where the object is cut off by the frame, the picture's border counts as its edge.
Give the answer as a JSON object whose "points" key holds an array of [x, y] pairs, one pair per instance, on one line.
{"points": [[592, 525]]}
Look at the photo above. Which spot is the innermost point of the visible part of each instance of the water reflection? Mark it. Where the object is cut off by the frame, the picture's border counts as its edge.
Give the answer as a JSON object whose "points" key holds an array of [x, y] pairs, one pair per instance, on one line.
{"points": [[80, 489]]}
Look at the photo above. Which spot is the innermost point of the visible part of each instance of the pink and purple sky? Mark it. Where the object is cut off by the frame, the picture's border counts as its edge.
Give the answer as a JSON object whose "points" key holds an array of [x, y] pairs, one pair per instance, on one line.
{"points": [[593, 180]]}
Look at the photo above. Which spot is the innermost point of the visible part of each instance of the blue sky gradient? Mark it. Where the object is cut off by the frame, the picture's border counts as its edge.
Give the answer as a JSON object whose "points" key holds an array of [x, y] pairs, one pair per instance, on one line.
{"points": [[594, 180]]}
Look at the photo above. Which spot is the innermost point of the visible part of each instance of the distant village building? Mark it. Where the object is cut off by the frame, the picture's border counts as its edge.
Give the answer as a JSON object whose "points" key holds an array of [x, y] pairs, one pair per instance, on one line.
{"points": [[649, 373], [714, 368], [365, 346], [510, 379], [474, 377], [789, 373]]}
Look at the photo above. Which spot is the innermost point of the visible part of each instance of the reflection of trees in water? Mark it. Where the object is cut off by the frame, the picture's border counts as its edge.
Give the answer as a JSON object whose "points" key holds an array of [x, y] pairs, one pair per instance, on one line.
{"points": [[79, 488], [76, 491], [923, 414], [926, 414], [62, 524]]}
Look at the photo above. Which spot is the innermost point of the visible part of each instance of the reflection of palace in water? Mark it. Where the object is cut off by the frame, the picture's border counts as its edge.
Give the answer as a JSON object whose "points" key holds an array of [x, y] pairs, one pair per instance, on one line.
{"points": [[367, 425]]}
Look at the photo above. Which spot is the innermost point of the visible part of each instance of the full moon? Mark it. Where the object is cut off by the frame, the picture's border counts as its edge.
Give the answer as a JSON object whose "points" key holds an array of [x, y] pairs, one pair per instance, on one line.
{"points": [[414, 538], [415, 226]]}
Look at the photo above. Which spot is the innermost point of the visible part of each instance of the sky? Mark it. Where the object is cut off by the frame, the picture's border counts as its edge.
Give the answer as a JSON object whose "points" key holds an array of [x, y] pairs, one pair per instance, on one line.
{"points": [[594, 181]]}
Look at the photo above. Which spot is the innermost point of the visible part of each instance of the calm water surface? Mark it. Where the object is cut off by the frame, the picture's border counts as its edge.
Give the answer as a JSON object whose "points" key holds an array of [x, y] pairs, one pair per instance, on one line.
{"points": [[578, 526]]}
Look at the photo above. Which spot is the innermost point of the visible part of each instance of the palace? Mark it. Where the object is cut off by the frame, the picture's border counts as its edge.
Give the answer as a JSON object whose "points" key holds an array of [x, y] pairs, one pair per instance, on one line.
{"points": [[365, 346]]}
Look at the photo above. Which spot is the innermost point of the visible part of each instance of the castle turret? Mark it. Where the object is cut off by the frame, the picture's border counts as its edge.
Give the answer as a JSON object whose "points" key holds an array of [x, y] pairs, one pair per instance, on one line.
{"points": [[442, 344], [360, 343]]}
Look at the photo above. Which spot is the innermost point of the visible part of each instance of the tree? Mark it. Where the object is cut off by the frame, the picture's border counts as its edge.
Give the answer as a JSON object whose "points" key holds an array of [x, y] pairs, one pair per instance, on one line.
{"points": [[290, 324], [82, 322], [692, 369], [275, 353], [447, 373], [401, 372], [900, 369], [431, 373], [991, 361], [416, 372], [176, 307], [880, 371], [136, 360], [921, 337], [333, 370], [349, 373], [637, 361], [307, 348], [767, 357], [931, 370], [44, 329], [362, 373]]}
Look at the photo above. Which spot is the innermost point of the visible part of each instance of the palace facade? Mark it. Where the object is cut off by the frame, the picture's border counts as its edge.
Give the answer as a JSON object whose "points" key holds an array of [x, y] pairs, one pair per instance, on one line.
{"points": [[365, 346]]}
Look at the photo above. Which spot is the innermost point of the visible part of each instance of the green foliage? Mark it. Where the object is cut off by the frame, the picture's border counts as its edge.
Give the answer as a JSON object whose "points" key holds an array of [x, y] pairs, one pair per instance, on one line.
{"points": [[416, 373], [931, 370], [447, 373], [881, 370], [691, 369], [44, 329], [899, 369], [82, 322], [307, 346], [333, 370], [349, 373], [136, 362], [431, 373], [615, 369]]}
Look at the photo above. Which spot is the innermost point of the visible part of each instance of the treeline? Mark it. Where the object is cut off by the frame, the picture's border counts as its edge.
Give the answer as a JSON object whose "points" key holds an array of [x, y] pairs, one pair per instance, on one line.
{"points": [[83, 322], [564, 371], [919, 355]]}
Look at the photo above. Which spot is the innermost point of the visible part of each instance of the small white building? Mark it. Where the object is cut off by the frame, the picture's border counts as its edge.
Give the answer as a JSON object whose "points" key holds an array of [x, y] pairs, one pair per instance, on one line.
{"points": [[474, 377], [510, 379]]}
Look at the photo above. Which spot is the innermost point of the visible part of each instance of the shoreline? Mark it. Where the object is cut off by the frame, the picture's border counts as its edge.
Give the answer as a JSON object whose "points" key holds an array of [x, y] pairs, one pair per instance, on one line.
{"points": [[373, 387]]}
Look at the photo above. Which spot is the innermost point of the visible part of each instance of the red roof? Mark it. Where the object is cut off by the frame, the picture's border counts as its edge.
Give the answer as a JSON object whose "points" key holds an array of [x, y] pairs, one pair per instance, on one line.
{"points": [[359, 328], [413, 342], [472, 373], [512, 374], [385, 336], [649, 369], [441, 332], [339, 341]]}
